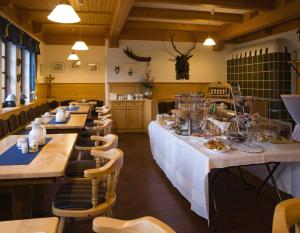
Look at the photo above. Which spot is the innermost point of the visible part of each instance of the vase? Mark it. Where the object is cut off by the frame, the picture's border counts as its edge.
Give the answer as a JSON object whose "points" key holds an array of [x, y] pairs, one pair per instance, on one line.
{"points": [[147, 93]]}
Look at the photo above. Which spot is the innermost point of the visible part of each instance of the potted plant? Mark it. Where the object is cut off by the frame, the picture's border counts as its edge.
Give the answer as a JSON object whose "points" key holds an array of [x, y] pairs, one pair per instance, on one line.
{"points": [[147, 83]]}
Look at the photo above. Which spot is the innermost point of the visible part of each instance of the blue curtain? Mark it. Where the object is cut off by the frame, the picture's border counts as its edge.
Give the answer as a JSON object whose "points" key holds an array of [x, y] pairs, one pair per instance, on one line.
{"points": [[32, 74], [11, 33]]}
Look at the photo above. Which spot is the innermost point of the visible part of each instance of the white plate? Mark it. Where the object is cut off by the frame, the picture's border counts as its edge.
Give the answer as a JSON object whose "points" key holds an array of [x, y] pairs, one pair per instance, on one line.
{"points": [[227, 148]]}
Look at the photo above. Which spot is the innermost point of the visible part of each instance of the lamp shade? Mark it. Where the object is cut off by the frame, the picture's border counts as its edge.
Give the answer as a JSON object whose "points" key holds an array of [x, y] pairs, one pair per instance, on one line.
{"points": [[23, 96], [209, 42], [11, 97], [80, 45], [73, 57], [64, 13]]}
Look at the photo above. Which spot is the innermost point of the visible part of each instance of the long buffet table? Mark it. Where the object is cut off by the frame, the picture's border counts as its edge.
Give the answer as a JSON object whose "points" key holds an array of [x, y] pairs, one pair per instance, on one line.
{"points": [[187, 163]]}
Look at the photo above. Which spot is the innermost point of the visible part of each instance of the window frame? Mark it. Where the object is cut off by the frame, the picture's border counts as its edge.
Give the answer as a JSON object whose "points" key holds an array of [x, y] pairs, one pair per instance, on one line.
{"points": [[4, 73]]}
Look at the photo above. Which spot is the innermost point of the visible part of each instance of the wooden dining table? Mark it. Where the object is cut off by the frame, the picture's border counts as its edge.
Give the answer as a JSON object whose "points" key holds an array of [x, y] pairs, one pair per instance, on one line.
{"points": [[35, 225], [87, 103], [78, 109], [73, 125], [49, 165]]}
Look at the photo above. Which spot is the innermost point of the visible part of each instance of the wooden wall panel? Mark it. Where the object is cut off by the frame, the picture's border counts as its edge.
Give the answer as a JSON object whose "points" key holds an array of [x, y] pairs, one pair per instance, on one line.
{"points": [[73, 91], [167, 91]]}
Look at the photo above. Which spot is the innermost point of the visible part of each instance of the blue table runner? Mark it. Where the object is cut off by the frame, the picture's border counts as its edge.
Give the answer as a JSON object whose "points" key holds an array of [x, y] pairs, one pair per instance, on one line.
{"points": [[74, 109], [53, 121], [14, 156]]}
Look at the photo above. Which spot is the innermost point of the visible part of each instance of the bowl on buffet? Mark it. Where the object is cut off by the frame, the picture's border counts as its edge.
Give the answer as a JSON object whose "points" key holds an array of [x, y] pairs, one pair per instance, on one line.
{"points": [[238, 137]]}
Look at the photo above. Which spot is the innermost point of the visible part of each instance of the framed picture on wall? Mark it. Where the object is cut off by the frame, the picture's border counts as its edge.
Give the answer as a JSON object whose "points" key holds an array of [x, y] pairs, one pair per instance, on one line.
{"points": [[57, 67], [93, 67], [75, 64]]}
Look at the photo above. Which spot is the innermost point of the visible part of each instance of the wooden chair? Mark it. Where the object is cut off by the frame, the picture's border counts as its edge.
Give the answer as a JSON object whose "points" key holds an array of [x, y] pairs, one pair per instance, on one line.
{"points": [[141, 225], [287, 214], [103, 111], [76, 168], [96, 195], [104, 117], [98, 127]]}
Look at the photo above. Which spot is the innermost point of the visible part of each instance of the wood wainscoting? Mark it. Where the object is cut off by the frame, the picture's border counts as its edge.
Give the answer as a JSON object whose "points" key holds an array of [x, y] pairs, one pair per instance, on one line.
{"points": [[61, 91]]}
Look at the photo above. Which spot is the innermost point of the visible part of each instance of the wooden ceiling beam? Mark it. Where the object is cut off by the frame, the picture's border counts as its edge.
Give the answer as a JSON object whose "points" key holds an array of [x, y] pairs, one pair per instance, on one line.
{"points": [[4, 2], [74, 25], [287, 12], [233, 4], [161, 35], [121, 13], [80, 13], [171, 14], [66, 39], [284, 27], [37, 28], [132, 24]]}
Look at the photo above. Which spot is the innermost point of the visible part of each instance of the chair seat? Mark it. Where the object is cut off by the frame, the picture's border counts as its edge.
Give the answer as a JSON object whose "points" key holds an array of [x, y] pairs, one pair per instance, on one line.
{"points": [[85, 133], [76, 168], [89, 124], [85, 142], [77, 196]]}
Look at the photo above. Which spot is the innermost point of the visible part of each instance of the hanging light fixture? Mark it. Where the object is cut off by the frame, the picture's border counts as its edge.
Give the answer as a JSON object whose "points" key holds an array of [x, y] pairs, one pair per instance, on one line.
{"points": [[209, 40], [64, 13], [80, 45], [73, 57]]}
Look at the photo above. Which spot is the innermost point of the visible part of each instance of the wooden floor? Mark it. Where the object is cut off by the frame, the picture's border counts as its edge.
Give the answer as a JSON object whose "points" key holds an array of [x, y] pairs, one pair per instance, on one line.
{"points": [[144, 190]]}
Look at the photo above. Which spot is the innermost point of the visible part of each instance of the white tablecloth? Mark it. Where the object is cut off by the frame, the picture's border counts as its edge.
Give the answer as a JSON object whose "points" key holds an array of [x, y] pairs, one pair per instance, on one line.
{"points": [[186, 162]]}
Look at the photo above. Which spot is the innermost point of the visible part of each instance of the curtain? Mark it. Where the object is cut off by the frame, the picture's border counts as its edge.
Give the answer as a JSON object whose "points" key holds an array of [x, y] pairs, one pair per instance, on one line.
{"points": [[11, 33], [32, 75]]}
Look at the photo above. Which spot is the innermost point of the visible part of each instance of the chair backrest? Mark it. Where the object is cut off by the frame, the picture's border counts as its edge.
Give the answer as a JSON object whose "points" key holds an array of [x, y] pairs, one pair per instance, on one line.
{"points": [[287, 214], [13, 123], [4, 129], [22, 118], [105, 127], [165, 107], [110, 142], [110, 171], [53, 104], [141, 225], [31, 114]]}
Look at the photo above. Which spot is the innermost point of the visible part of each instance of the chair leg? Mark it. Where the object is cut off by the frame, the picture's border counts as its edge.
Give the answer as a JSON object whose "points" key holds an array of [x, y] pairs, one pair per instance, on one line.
{"points": [[110, 213], [79, 155], [61, 225]]}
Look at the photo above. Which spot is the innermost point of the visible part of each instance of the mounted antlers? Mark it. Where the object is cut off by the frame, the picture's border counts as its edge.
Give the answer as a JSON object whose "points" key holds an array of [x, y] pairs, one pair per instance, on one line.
{"points": [[182, 64], [130, 54], [189, 51]]}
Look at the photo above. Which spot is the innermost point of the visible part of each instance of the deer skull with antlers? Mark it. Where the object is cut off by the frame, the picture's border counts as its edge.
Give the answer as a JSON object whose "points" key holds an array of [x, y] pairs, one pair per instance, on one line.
{"points": [[182, 66]]}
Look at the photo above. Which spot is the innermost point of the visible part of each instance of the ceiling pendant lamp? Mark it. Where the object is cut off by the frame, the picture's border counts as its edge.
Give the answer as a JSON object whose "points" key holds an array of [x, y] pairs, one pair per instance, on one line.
{"points": [[64, 13], [209, 40], [80, 45], [73, 57]]}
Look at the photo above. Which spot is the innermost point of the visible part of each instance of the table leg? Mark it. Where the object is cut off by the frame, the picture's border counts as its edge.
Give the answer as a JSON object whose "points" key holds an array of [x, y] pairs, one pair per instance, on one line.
{"points": [[270, 176], [213, 210]]}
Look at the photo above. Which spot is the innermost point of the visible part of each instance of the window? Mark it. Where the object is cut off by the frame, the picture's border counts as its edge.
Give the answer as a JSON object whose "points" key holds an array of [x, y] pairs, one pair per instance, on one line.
{"points": [[4, 71], [32, 75]]}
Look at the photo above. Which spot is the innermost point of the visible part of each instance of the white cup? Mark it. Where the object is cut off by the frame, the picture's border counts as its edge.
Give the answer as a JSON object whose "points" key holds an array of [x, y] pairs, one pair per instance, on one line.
{"points": [[20, 141], [24, 148], [38, 120], [47, 114]]}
